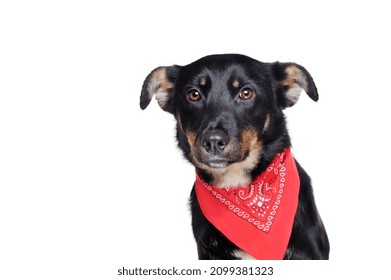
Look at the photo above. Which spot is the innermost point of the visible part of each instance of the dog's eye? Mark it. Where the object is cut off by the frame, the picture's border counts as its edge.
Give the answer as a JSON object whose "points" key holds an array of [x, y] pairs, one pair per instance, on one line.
{"points": [[193, 95], [246, 94]]}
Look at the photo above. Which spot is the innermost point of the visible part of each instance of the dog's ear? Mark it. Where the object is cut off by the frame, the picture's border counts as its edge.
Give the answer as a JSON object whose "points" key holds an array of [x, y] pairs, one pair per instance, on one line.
{"points": [[291, 79], [160, 83]]}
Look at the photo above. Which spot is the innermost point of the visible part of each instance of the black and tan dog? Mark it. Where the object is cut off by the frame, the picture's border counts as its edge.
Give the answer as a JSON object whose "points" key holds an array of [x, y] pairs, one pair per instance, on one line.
{"points": [[230, 126]]}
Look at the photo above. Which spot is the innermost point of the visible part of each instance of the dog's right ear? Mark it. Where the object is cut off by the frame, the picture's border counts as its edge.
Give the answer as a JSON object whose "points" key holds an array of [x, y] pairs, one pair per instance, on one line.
{"points": [[160, 83]]}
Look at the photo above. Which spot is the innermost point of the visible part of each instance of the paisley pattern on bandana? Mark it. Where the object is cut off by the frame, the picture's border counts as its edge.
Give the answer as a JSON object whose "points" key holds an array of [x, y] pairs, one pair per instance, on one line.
{"points": [[271, 198]]}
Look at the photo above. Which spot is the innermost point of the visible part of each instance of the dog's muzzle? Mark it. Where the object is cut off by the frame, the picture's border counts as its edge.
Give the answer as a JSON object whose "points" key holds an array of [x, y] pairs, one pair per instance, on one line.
{"points": [[216, 149]]}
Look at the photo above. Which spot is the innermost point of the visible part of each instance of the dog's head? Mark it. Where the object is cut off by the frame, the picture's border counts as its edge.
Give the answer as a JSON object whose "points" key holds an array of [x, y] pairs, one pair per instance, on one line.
{"points": [[228, 109]]}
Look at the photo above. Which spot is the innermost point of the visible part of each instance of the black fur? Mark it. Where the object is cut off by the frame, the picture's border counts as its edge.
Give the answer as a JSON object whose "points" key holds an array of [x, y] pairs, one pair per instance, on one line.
{"points": [[206, 98]]}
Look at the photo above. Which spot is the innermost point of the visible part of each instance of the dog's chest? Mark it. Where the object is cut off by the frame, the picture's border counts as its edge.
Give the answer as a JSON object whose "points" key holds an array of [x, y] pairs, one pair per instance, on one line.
{"points": [[242, 255]]}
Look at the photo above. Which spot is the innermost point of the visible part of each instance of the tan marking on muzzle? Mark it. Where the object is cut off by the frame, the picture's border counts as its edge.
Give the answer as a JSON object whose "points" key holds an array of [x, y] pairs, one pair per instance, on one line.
{"points": [[238, 174], [247, 141], [191, 137]]}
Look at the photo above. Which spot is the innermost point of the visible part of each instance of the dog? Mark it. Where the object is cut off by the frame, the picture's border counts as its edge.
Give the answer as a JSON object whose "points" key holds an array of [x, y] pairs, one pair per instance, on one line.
{"points": [[231, 127]]}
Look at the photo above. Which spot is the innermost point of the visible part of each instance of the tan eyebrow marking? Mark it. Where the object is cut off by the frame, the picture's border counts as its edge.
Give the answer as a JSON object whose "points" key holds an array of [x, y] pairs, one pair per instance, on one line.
{"points": [[235, 84], [203, 81]]}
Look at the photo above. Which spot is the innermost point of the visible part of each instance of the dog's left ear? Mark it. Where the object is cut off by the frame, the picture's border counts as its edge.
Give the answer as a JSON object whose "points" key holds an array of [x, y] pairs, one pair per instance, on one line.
{"points": [[160, 83], [291, 79]]}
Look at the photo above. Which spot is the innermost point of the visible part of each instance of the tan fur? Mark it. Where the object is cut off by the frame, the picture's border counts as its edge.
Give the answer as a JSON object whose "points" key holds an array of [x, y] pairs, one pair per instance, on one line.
{"points": [[291, 76], [237, 174], [248, 136], [295, 75], [267, 124], [191, 136], [159, 86], [202, 81], [296, 82], [235, 84]]}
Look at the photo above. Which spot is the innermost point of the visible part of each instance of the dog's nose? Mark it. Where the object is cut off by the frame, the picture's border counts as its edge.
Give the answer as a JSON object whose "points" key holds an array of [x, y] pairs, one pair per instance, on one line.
{"points": [[214, 141]]}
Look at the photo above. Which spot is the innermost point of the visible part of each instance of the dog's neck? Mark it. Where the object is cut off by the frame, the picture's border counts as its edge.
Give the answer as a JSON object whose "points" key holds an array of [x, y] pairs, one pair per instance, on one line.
{"points": [[233, 176]]}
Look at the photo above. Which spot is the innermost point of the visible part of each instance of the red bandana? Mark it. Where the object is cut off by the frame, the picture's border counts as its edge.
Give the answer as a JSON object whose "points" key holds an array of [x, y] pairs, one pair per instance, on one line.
{"points": [[258, 218]]}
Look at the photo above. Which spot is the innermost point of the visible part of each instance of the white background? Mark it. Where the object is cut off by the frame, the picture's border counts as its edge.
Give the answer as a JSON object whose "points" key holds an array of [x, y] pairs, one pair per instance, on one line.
{"points": [[90, 183]]}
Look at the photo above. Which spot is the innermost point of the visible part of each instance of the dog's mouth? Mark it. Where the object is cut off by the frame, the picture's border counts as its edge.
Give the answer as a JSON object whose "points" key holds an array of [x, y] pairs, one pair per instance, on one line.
{"points": [[216, 155], [217, 162]]}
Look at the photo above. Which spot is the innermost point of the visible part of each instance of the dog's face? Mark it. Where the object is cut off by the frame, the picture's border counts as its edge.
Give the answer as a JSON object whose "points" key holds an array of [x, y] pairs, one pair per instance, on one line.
{"points": [[225, 107]]}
